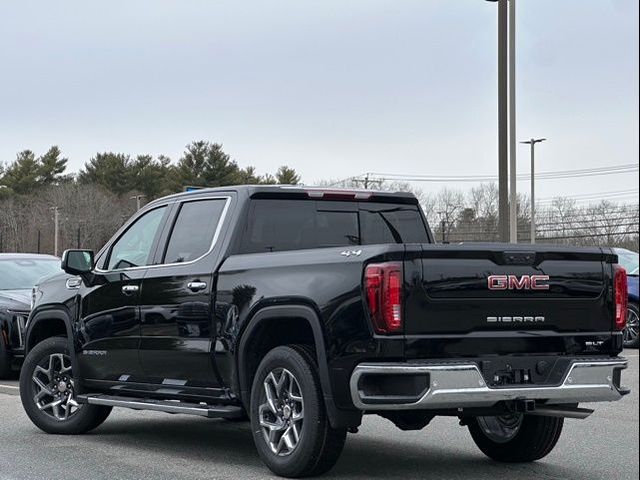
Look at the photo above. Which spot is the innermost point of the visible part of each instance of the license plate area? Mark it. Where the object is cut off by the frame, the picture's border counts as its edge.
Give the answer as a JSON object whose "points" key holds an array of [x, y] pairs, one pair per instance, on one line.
{"points": [[524, 371]]}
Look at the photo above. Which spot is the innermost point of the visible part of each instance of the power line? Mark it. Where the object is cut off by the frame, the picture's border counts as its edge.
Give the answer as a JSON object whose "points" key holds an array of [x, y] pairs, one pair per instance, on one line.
{"points": [[591, 197], [559, 174], [602, 194]]}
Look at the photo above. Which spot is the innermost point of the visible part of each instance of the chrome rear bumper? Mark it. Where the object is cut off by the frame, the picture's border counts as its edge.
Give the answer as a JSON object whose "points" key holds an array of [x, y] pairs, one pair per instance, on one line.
{"points": [[462, 385]]}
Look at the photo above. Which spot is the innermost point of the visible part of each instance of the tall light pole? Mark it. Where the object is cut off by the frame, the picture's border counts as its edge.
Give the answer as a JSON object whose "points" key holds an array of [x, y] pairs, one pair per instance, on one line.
{"points": [[56, 229], [503, 145], [513, 197], [532, 144]]}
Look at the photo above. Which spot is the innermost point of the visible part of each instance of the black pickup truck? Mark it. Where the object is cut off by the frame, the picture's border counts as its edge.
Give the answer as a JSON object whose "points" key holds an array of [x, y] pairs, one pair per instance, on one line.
{"points": [[302, 309]]}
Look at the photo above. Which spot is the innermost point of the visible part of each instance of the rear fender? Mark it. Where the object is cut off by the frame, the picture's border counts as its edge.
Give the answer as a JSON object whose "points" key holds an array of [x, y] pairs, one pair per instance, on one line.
{"points": [[338, 418]]}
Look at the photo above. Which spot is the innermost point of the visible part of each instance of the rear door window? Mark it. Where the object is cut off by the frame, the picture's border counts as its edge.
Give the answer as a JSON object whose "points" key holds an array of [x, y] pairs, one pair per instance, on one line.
{"points": [[194, 229]]}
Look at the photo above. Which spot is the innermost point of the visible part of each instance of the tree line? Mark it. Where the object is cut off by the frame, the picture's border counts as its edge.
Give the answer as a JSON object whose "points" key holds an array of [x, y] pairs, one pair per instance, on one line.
{"points": [[202, 164], [472, 216], [95, 201]]}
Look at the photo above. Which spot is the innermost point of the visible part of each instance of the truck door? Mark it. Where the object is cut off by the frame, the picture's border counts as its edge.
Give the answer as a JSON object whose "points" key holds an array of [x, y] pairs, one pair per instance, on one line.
{"points": [[109, 320], [178, 331]]}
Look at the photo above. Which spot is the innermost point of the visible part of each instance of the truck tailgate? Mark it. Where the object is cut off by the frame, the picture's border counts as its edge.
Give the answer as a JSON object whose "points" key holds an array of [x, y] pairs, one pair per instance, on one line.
{"points": [[501, 288]]}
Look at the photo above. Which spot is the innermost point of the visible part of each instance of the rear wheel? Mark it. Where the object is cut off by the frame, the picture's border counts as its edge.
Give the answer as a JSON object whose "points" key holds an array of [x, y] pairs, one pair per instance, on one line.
{"points": [[48, 392], [631, 331], [288, 417], [516, 437]]}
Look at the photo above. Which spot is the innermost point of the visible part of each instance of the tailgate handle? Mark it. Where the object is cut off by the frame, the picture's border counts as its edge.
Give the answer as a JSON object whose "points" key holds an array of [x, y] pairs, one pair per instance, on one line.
{"points": [[519, 258]]}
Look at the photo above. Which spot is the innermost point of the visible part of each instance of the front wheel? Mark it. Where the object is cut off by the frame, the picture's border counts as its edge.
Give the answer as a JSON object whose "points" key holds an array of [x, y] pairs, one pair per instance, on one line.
{"points": [[631, 331], [288, 417], [516, 438], [48, 392]]}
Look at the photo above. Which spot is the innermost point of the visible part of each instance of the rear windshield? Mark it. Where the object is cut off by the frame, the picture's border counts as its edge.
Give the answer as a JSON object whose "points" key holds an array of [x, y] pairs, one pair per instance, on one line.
{"points": [[279, 225]]}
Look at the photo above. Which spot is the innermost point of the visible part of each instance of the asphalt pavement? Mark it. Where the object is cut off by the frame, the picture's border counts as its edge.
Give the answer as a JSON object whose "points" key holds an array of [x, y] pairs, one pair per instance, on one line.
{"points": [[148, 445]]}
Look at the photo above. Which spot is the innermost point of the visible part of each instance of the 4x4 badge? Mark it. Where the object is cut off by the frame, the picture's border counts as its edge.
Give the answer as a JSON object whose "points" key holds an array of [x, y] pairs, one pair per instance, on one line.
{"points": [[348, 253]]}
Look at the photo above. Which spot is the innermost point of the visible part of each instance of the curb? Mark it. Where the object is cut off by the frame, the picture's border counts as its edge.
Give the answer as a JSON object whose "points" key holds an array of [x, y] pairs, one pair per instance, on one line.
{"points": [[9, 389]]}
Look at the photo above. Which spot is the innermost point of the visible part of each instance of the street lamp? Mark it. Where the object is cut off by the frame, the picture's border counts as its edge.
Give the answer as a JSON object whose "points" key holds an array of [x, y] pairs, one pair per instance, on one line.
{"points": [[513, 200], [507, 214], [532, 143]]}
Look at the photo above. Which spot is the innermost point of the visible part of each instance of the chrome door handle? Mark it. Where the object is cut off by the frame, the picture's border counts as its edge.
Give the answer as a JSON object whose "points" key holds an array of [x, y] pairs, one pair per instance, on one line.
{"points": [[196, 286], [130, 289]]}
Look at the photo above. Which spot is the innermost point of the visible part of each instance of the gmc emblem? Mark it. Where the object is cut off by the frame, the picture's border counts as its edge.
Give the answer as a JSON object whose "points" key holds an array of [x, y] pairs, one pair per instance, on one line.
{"points": [[513, 282]]}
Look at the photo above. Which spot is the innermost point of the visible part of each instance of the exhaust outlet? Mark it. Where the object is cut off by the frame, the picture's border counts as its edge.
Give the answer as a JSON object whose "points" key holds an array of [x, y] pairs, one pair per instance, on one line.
{"points": [[560, 411]]}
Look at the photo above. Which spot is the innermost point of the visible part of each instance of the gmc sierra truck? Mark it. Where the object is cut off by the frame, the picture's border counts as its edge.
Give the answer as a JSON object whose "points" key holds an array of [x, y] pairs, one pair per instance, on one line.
{"points": [[301, 309]]}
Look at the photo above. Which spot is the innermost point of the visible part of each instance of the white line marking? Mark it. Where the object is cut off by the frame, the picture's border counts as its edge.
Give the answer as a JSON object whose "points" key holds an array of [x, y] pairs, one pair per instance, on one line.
{"points": [[8, 386]]}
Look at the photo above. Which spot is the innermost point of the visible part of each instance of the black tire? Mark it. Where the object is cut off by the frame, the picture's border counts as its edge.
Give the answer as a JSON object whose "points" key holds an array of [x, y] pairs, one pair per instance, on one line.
{"points": [[632, 340], [535, 438], [5, 361], [319, 445], [84, 419]]}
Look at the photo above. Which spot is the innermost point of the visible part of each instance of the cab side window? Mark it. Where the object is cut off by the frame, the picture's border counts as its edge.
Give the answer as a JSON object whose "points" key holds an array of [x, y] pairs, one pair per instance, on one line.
{"points": [[194, 230], [133, 248]]}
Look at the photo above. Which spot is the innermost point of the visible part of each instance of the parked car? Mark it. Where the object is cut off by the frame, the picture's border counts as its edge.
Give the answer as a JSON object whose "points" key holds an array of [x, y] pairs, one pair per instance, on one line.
{"points": [[18, 274], [629, 260], [304, 309]]}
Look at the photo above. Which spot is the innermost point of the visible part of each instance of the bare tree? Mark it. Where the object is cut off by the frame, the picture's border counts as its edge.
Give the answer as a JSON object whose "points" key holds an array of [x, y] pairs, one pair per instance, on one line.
{"points": [[88, 217]]}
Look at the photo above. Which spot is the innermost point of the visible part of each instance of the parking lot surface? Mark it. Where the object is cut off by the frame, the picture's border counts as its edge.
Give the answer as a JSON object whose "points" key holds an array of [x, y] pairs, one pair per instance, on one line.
{"points": [[148, 445]]}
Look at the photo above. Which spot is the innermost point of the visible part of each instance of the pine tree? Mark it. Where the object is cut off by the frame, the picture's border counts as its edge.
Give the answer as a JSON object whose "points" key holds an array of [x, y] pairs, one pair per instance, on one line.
{"points": [[288, 176], [51, 167]]}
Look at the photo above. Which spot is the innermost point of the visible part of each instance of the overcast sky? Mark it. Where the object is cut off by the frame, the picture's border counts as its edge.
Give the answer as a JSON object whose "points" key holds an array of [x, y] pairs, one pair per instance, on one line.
{"points": [[331, 88]]}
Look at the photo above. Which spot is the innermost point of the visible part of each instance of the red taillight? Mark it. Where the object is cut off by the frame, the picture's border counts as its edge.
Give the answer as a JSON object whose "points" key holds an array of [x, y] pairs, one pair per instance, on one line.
{"points": [[383, 289], [621, 296]]}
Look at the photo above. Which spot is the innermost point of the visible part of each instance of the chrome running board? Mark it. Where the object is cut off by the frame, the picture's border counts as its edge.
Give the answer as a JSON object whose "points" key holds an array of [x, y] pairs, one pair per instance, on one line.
{"points": [[168, 406]]}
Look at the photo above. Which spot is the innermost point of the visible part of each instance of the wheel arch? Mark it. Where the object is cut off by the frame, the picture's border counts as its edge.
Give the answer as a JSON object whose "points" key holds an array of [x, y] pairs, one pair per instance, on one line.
{"points": [[51, 323], [287, 313]]}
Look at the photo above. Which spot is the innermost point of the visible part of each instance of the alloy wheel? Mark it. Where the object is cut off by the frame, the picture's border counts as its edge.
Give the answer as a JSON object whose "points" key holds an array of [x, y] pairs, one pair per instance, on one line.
{"points": [[54, 387], [281, 416], [633, 326]]}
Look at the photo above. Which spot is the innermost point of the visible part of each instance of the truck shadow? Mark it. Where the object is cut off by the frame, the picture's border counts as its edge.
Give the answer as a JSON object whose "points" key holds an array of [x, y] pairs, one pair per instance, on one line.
{"points": [[231, 445]]}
